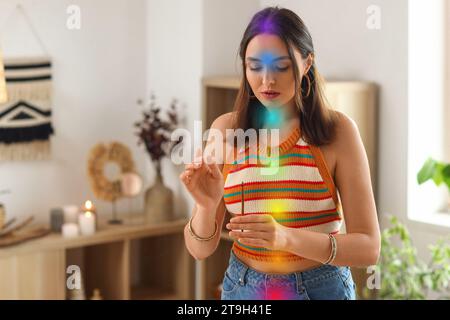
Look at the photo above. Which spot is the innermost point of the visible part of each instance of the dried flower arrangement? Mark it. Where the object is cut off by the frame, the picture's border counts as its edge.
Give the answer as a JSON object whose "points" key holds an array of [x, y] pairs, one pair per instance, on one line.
{"points": [[154, 132]]}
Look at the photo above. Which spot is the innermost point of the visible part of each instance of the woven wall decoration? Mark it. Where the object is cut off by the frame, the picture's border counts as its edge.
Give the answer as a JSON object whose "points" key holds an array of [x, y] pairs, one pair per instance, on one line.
{"points": [[3, 95], [25, 119]]}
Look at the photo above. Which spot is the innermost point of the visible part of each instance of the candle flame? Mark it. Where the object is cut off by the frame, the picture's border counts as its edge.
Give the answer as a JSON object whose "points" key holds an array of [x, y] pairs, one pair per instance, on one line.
{"points": [[88, 214], [88, 204]]}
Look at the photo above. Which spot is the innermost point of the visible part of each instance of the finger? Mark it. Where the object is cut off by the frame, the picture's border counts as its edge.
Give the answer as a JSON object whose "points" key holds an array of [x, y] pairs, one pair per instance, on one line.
{"points": [[213, 168], [248, 226], [190, 166], [250, 234], [250, 218], [195, 176], [191, 172], [198, 156], [198, 164], [184, 177], [188, 184], [187, 176]]}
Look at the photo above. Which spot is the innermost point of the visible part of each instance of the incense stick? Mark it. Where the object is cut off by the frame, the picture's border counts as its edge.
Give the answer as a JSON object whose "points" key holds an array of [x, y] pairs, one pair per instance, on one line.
{"points": [[242, 201]]}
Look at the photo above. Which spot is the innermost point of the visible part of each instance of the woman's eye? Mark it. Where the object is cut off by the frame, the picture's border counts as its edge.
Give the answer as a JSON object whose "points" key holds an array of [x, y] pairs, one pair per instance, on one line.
{"points": [[281, 68], [255, 67], [275, 68]]}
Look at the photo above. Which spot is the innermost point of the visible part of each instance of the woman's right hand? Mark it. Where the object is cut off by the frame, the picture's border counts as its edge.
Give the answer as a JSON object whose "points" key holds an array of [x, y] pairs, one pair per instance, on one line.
{"points": [[204, 181]]}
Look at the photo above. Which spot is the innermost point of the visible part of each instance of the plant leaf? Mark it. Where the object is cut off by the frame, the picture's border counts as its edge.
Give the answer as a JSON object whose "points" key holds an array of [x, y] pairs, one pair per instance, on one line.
{"points": [[446, 176], [438, 177], [427, 171]]}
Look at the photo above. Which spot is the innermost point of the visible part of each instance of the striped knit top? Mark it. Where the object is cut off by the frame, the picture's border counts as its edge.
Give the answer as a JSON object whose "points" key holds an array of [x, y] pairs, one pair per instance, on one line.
{"points": [[300, 194]]}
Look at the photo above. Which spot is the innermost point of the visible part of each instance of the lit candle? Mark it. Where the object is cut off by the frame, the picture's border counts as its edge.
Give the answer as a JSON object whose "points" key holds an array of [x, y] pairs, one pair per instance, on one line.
{"points": [[89, 206], [86, 221], [70, 230]]}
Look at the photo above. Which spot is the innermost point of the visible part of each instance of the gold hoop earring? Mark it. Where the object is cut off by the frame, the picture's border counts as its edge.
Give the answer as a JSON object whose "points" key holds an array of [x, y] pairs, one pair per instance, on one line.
{"points": [[309, 86]]}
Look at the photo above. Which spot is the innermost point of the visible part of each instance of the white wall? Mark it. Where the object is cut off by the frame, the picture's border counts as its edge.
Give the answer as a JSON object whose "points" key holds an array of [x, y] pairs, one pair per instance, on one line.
{"points": [[99, 72], [225, 23], [175, 67]]}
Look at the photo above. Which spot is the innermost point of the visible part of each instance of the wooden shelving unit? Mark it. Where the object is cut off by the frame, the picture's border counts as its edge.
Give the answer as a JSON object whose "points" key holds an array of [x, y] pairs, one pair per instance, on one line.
{"points": [[356, 99], [130, 261]]}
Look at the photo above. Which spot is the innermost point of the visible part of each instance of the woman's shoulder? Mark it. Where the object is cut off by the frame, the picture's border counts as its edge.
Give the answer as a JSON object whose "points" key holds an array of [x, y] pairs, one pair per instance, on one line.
{"points": [[345, 129], [224, 121]]}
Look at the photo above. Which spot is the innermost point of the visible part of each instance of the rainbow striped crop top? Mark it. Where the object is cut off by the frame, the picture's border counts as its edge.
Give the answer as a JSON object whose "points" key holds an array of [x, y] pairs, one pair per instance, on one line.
{"points": [[301, 194]]}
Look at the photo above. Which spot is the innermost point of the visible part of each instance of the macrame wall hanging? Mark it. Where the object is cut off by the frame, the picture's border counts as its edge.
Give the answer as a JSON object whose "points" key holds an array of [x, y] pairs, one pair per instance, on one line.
{"points": [[25, 119]]}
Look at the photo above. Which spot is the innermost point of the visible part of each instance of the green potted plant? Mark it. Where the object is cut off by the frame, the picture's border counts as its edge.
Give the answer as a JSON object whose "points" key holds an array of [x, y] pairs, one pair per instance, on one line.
{"points": [[438, 171], [403, 275]]}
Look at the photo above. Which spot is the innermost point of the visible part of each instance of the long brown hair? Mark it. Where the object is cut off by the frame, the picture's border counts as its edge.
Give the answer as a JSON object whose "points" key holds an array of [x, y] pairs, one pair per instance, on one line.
{"points": [[317, 119]]}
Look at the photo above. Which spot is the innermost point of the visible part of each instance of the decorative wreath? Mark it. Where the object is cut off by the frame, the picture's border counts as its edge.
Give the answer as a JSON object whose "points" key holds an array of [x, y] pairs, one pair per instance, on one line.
{"points": [[99, 156]]}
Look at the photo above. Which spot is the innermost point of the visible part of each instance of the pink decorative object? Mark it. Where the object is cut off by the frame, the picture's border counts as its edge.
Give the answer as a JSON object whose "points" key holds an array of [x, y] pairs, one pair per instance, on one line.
{"points": [[131, 184]]}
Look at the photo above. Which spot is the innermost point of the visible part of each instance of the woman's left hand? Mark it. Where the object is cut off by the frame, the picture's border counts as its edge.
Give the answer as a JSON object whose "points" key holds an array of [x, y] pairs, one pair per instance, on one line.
{"points": [[260, 230]]}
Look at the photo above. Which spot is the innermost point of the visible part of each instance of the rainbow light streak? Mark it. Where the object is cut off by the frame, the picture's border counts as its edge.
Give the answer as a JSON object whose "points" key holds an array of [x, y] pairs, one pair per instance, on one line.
{"points": [[267, 26], [278, 294]]}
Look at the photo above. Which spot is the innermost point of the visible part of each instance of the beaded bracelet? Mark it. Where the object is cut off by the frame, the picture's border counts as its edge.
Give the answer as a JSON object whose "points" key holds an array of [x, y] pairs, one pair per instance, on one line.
{"points": [[196, 237]]}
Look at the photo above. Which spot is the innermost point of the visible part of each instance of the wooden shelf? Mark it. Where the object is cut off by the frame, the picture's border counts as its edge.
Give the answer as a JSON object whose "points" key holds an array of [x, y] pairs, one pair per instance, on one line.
{"points": [[105, 233], [108, 261], [222, 82]]}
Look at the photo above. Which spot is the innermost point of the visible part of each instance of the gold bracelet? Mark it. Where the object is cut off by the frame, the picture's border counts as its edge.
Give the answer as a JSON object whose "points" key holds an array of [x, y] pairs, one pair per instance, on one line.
{"points": [[333, 249], [196, 237]]}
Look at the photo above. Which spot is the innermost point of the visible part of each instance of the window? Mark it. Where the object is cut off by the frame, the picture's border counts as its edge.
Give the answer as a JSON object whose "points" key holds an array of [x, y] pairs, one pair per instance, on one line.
{"points": [[447, 79], [428, 114]]}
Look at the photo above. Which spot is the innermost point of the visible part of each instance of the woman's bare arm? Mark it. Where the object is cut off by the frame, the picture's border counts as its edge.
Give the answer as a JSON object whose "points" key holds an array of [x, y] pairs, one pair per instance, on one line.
{"points": [[361, 245], [204, 219]]}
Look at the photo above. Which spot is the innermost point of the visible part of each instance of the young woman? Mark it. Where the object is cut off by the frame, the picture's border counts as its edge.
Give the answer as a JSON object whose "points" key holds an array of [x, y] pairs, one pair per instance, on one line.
{"points": [[286, 225]]}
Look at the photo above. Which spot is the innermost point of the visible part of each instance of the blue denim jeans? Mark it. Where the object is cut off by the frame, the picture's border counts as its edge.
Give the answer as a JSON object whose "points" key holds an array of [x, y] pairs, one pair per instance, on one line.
{"points": [[325, 282]]}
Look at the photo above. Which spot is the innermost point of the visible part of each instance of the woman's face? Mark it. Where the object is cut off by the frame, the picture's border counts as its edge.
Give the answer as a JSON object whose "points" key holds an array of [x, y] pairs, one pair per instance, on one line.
{"points": [[270, 72]]}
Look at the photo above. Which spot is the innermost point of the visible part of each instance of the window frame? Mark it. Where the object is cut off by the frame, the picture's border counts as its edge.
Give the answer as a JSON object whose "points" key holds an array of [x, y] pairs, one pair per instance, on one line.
{"points": [[447, 79], [418, 215]]}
